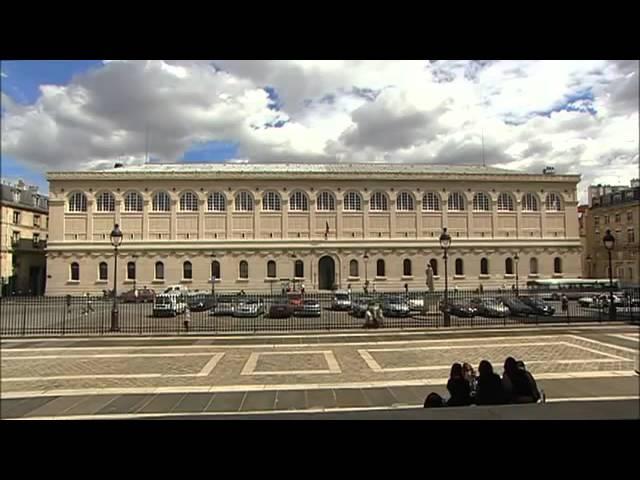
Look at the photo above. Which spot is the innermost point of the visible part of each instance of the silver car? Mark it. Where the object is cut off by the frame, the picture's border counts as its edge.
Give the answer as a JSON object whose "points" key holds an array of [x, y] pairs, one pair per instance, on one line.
{"points": [[309, 308], [396, 307], [341, 301], [249, 308]]}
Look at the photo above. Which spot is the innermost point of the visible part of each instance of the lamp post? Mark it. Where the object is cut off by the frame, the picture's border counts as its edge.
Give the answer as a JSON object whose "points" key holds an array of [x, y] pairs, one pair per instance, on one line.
{"points": [[116, 241], [366, 279], [516, 258], [609, 242], [588, 266], [445, 243]]}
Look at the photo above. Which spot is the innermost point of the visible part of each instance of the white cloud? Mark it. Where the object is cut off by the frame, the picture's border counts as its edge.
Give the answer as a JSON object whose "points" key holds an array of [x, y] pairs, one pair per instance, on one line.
{"points": [[4, 75], [531, 113]]}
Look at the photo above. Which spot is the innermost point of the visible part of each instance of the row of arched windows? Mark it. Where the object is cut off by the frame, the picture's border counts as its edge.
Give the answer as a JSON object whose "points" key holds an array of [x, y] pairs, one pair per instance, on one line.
{"points": [[354, 268], [298, 201]]}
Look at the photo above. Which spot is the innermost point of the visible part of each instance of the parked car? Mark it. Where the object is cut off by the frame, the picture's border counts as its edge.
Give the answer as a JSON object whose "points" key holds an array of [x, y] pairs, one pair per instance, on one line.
{"points": [[280, 308], [489, 307], [249, 308], [517, 307], [145, 295], [309, 308], [341, 300], [416, 301], [200, 303], [600, 301], [295, 299], [539, 306], [176, 290], [459, 309], [168, 305], [223, 305], [360, 305], [396, 307]]}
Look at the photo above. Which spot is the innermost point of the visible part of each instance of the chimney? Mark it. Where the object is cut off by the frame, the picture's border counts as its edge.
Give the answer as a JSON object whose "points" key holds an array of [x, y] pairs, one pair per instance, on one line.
{"points": [[548, 171], [118, 165]]}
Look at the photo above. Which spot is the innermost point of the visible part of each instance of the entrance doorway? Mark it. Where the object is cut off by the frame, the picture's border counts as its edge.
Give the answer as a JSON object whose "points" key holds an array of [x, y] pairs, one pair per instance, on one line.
{"points": [[326, 273]]}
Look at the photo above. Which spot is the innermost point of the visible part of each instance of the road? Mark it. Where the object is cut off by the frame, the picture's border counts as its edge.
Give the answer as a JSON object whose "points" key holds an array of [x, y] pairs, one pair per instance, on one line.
{"points": [[124, 377]]}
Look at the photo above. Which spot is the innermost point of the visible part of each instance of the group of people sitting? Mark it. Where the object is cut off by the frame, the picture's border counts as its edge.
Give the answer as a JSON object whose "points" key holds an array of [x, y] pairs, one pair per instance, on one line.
{"points": [[517, 385]]}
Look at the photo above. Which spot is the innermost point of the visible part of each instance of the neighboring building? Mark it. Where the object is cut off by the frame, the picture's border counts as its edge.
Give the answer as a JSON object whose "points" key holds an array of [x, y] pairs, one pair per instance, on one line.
{"points": [[23, 239], [601, 190], [314, 223], [620, 213], [583, 212]]}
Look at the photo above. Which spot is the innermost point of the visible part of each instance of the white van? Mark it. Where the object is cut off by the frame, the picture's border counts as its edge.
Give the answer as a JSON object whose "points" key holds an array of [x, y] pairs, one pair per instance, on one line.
{"points": [[169, 305]]}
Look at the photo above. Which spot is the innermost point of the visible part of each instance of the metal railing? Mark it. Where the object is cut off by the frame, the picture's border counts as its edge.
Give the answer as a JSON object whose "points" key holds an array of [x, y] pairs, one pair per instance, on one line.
{"points": [[224, 312]]}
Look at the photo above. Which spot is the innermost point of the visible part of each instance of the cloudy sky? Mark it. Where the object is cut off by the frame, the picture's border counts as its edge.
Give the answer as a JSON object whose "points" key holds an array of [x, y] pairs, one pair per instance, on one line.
{"points": [[579, 116]]}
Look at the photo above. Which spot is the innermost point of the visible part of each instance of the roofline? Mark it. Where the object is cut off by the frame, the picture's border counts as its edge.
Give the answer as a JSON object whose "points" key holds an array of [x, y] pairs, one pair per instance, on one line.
{"points": [[21, 206]]}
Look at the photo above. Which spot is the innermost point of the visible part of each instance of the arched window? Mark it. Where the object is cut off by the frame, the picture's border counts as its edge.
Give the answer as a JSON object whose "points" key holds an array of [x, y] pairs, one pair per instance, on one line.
{"points": [[484, 266], [298, 269], [529, 203], [353, 268], [103, 271], [161, 202], [189, 202], [243, 202], [533, 265], [404, 202], [75, 271], [456, 202], [352, 202], [379, 202], [131, 270], [505, 203], [553, 202], [271, 202], [133, 202], [215, 269], [434, 266], [216, 202], [557, 265], [271, 269], [159, 271], [430, 202], [187, 270], [406, 267], [326, 202], [298, 202], [380, 268], [77, 202], [459, 267], [508, 266], [244, 269], [481, 202], [105, 202]]}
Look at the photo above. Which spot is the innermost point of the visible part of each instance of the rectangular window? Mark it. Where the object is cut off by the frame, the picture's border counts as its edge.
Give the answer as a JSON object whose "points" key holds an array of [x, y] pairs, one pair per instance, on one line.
{"points": [[36, 239], [629, 216], [596, 221], [36, 221], [617, 217], [16, 217], [631, 237], [606, 219]]}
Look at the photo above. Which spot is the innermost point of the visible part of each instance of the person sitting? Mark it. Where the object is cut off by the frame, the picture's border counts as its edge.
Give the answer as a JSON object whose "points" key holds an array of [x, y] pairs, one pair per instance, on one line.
{"points": [[458, 388], [470, 376], [489, 389], [516, 384], [532, 381], [433, 400]]}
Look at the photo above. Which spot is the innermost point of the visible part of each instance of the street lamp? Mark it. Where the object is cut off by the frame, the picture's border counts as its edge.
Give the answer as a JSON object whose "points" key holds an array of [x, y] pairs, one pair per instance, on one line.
{"points": [[445, 243], [116, 241], [516, 258], [609, 242], [366, 279]]}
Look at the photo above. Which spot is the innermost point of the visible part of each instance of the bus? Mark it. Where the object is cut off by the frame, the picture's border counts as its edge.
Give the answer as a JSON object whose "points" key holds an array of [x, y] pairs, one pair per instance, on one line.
{"points": [[573, 288]]}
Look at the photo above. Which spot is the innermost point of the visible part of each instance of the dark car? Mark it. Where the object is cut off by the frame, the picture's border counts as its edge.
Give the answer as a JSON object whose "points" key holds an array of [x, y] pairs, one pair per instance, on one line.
{"points": [[459, 309], [517, 307], [200, 303], [489, 307], [539, 306], [280, 308], [145, 295], [309, 308], [396, 307]]}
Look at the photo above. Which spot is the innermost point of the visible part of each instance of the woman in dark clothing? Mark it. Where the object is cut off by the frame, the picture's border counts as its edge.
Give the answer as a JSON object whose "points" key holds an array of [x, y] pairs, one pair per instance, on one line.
{"points": [[458, 387], [489, 388], [517, 387]]}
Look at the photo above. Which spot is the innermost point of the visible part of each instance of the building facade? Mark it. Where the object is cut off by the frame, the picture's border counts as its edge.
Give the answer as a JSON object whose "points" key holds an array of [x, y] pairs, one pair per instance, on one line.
{"points": [[23, 237], [619, 212], [252, 226]]}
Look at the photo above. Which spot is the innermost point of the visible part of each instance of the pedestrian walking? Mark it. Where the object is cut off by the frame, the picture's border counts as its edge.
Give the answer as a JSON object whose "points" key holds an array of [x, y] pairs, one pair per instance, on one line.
{"points": [[68, 299], [302, 289], [565, 304], [88, 307], [187, 318]]}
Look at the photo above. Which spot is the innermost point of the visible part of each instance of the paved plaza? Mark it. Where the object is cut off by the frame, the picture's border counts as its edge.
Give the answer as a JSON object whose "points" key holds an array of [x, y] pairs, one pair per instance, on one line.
{"points": [[116, 377]]}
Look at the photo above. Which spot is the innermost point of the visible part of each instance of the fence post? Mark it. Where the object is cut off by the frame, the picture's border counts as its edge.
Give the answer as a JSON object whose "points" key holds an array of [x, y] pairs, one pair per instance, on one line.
{"points": [[24, 320], [64, 319]]}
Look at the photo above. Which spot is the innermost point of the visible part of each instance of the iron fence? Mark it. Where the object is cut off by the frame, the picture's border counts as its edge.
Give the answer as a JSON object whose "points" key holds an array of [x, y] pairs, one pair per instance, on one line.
{"points": [[239, 312]]}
